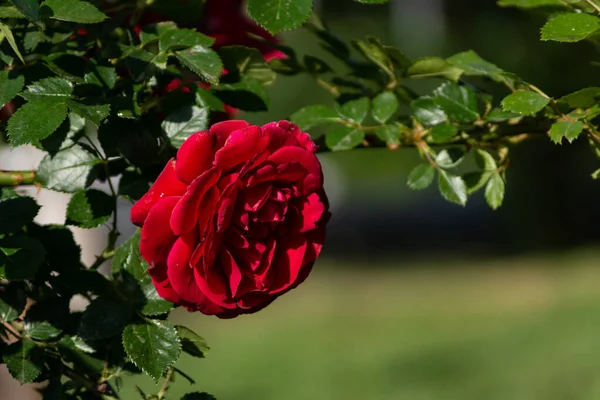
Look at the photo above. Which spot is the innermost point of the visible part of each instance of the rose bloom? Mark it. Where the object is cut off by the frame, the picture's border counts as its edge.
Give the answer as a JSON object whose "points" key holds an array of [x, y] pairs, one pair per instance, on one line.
{"points": [[236, 220]]}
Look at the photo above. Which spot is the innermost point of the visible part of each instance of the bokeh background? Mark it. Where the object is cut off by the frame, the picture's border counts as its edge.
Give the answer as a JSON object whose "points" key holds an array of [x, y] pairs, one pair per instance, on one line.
{"points": [[415, 298]]}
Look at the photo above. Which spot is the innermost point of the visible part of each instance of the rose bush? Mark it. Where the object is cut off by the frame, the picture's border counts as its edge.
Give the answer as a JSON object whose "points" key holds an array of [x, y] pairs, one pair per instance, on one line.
{"points": [[236, 220]]}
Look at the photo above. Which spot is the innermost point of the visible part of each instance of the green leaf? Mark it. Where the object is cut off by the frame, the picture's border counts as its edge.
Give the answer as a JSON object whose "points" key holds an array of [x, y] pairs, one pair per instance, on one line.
{"points": [[499, 115], [73, 11], [29, 8], [47, 320], [205, 98], [459, 102], [494, 191], [129, 263], [584, 98], [476, 180], [15, 212], [202, 61], [316, 66], [184, 122], [428, 112], [153, 346], [432, 67], [240, 60], [390, 134], [191, 342], [198, 396], [525, 102], [10, 12], [311, 116], [183, 39], [385, 106], [355, 110], [571, 27], [69, 170], [565, 129], [341, 137], [20, 257], [386, 58], [485, 161], [99, 75], [421, 176], [12, 303], [132, 185], [24, 361], [452, 188], [58, 88], [530, 3], [472, 64], [103, 318], [443, 132], [7, 33], [249, 94], [89, 208], [94, 113], [35, 120], [10, 86], [279, 15], [450, 158]]}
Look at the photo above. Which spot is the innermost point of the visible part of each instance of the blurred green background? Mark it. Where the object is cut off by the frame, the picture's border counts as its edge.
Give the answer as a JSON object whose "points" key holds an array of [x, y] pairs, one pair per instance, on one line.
{"points": [[415, 298]]}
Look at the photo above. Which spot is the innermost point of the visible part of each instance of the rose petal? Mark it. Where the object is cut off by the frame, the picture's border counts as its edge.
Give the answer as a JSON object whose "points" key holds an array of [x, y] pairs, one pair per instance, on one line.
{"points": [[189, 211], [195, 156], [313, 180], [157, 238], [167, 184], [241, 146], [287, 263], [222, 130], [254, 198], [181, 274], [307, 213]]}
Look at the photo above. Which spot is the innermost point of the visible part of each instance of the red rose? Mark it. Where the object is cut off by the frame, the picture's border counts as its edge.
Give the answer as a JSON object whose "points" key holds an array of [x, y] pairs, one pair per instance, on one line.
{"points": [[237, 220]]}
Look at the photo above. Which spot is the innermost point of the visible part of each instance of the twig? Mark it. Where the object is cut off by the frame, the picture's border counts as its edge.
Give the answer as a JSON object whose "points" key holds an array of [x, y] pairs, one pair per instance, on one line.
{"points": [[16, 178], [591, 3], [165, 386]]}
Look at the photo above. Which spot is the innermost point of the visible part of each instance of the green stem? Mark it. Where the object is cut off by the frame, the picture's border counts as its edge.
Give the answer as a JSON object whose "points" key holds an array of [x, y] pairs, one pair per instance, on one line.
{"points": [[165, 386], [16, 178]]}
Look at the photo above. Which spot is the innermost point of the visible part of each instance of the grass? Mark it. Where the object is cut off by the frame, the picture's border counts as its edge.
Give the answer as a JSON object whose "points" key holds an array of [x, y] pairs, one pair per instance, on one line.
{"points": [[524, 329]]}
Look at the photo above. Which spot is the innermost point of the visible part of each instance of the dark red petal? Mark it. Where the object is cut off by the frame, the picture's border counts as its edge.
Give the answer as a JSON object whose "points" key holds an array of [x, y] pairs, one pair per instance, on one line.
{"points": [[255, 197], [222, 130], [314, 177], [181, 274], [241, 146], [195, 203], [195, 156], [165, 290], [308, 212], [288, 261], [167, 184], [157, 238]]}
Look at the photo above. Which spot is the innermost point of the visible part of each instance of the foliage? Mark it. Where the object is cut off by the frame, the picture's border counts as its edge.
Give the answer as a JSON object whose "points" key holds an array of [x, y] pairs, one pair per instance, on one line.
{"points": [[111, 89]]}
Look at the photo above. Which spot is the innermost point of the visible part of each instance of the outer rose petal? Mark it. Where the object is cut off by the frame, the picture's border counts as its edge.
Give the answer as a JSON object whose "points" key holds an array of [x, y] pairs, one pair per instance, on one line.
{"points": [[195, 156], [222, 130], [165, 185], [157, 238], [241, 146], [187, 213]]}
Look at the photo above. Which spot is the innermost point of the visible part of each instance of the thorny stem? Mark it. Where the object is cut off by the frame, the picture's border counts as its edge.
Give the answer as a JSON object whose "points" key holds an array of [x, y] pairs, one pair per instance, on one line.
{"points": [[17, 178]]}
